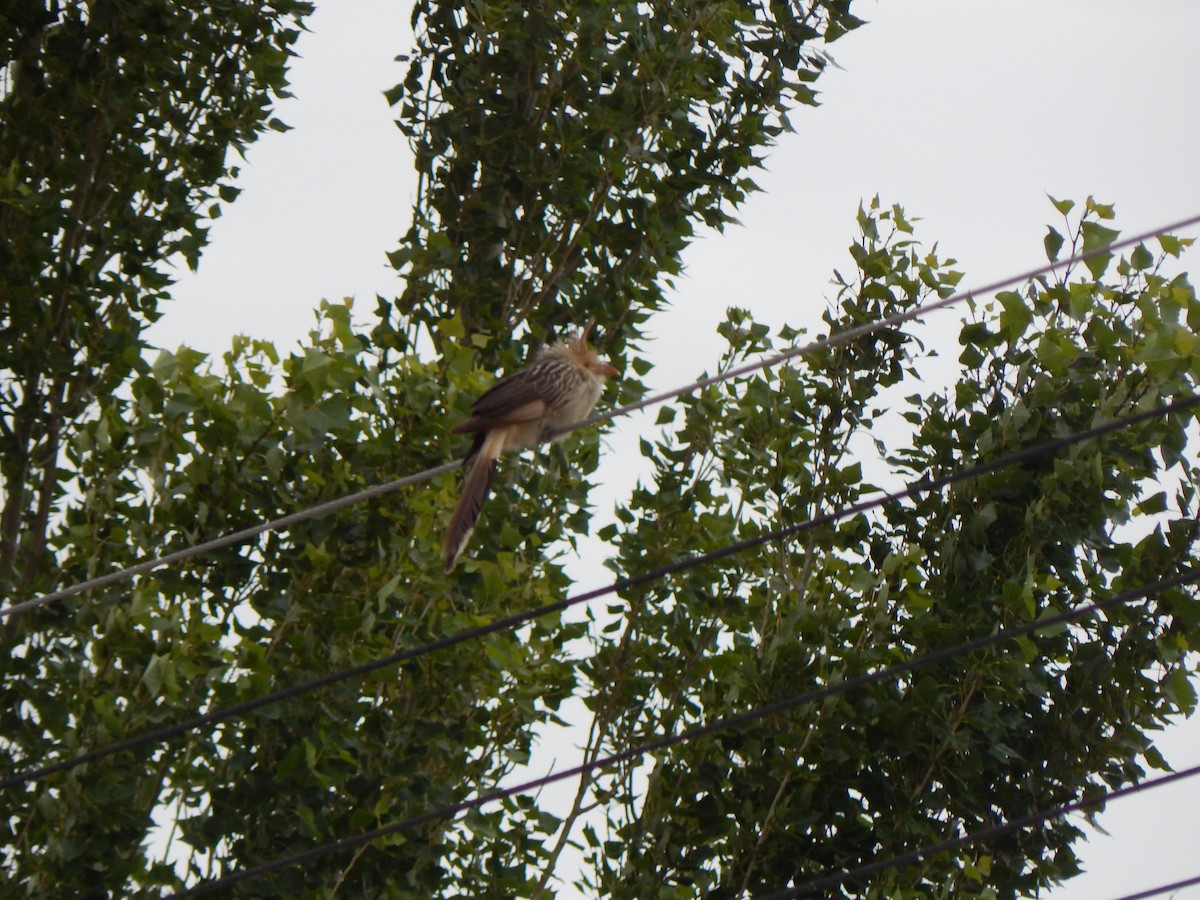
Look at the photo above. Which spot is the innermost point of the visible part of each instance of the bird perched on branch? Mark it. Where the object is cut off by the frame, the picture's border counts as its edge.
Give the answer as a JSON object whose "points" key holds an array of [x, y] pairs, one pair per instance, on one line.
{"points": [[527, 408]]}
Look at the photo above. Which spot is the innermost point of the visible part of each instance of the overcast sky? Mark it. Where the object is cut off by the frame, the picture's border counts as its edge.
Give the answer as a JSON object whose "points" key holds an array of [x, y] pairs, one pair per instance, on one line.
{"points": [[965, 112]]}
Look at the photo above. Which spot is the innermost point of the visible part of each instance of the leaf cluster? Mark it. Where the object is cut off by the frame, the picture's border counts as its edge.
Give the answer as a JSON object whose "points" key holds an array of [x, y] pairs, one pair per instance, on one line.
{"points": [[951, 748], [568, 152]]}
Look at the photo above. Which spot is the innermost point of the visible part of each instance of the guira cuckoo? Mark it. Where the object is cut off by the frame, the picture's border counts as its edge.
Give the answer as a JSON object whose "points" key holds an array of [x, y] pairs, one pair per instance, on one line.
{"points": [[559, 388]]}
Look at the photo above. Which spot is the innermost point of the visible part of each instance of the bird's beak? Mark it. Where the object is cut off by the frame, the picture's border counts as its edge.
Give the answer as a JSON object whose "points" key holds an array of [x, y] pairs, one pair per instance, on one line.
{"points": [[606, 370]]}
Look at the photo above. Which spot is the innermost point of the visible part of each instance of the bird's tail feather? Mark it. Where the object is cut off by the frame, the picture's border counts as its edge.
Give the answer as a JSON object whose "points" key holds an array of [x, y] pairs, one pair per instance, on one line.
{"points": [[470, 503]]}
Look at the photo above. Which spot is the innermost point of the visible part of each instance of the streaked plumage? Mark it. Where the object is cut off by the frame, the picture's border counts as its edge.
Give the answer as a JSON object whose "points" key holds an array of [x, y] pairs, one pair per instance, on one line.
{"points": [[559, 388]]}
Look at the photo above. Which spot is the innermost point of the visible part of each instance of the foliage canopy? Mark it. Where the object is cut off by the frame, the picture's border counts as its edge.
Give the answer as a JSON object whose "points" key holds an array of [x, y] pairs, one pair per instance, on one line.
{"points": [[566, 154]]}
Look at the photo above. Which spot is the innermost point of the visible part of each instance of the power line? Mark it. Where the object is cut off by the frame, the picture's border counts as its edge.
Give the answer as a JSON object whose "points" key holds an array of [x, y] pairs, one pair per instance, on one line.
{"points": [[509, 622], [228, 540], [1162, 889], [859, 331], [984, 834], [788, 703], [834, 340]]}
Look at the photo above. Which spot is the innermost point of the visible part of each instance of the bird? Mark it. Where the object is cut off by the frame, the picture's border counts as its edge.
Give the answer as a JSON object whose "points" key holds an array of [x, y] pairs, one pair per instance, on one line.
{"points": [[560, 387]]}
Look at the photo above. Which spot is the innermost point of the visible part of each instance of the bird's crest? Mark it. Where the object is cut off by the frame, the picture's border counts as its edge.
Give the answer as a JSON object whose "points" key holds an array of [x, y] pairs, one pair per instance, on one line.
{"points": [[577, 344]]}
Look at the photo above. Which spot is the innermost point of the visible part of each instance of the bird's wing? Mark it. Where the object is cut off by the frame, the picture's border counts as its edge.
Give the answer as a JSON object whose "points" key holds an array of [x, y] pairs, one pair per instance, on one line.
{"points": [[511, 401]]}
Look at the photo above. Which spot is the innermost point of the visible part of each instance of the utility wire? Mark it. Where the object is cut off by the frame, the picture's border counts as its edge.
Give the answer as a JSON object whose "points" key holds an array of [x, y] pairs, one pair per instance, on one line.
{"points": [[1162, 889], [229, 540], [510, 622], [984, 834], [867, 328], [771, 709], [834, 340]]}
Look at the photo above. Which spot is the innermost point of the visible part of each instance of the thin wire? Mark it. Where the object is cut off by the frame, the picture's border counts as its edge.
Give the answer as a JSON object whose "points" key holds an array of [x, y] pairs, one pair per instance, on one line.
{"points": [[788, 703], [509, 622], [1162, 889], [834, 340], [868, 328], [984, 834], [228, 540]]}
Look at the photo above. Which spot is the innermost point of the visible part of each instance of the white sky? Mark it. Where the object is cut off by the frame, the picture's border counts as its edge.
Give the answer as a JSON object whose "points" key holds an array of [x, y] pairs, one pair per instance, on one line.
{"points": [[965, 112]]}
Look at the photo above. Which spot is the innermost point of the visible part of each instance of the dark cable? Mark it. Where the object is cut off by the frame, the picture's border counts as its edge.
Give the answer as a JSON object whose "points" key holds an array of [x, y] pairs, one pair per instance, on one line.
{"points": [[923, 486], [867, 328], [984, 834], [843, 337], [1162, 889], [1189, 577], [228, 540]]}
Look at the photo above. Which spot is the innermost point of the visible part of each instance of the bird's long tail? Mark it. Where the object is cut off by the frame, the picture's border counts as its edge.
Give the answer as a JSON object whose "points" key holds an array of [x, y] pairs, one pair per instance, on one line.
{"points": [[474, 492]]}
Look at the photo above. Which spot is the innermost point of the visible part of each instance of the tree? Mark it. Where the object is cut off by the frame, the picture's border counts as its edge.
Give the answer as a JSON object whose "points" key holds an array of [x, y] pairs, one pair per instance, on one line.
{"points": [[116, 120], [958, 746], [566, 153]]}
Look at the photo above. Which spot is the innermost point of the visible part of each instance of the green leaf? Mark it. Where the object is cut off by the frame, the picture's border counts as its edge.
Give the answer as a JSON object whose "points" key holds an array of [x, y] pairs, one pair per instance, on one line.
{"points": [[1016, 316], [1152, 505], [1053, 243], [1056, 352], [1156, 760], [385, 593], [395, 94], [1180, 689], [1095, 238], [152, 676], [1081, 300], [1063, 206], [1141, 258], [1103, 210]]}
